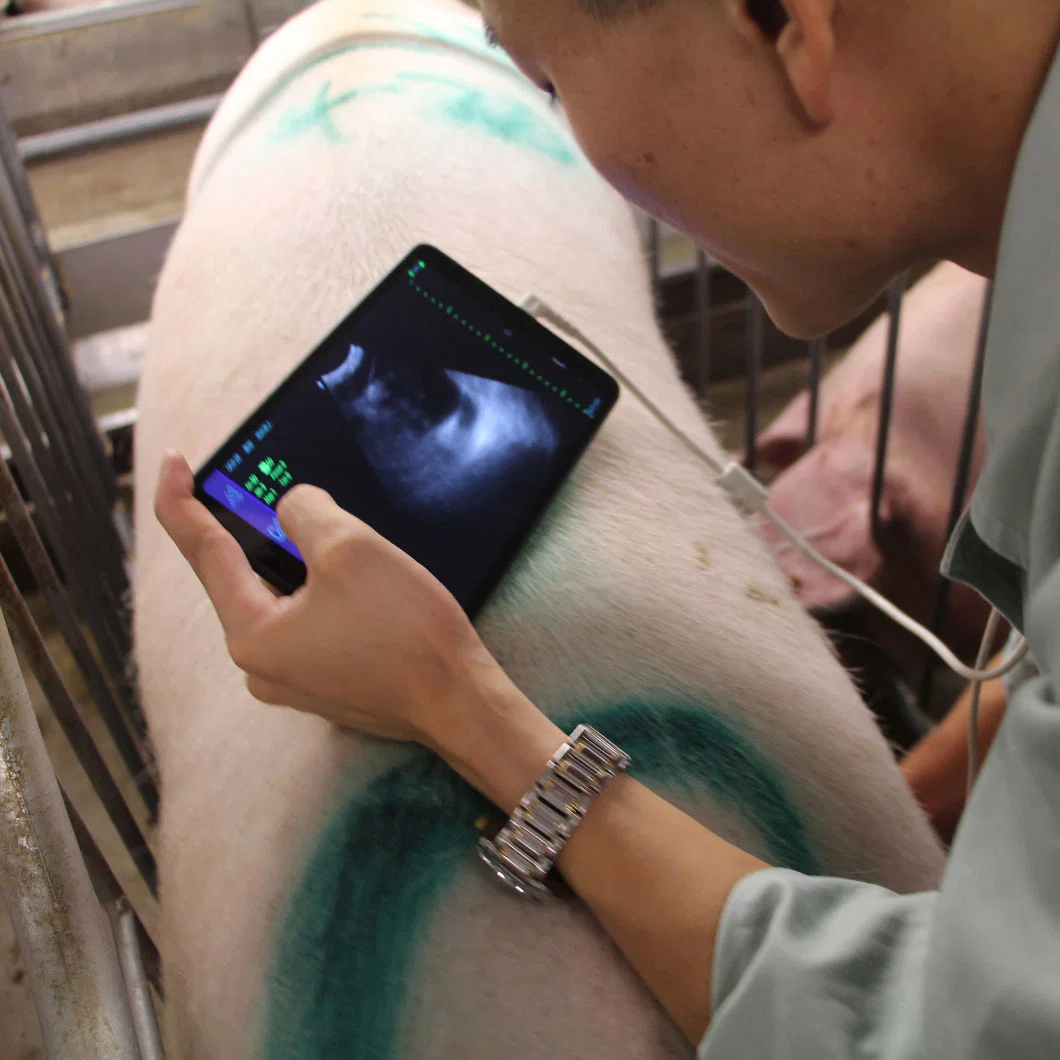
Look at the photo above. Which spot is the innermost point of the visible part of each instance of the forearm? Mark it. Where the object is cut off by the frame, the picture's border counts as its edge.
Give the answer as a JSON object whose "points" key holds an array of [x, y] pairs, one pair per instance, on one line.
{"points": [[655, 879], [937, 768]]}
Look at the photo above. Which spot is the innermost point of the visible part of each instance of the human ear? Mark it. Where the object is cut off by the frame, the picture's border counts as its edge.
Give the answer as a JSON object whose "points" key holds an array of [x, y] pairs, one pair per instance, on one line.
{"points": [[801, 34], [806, 48]]}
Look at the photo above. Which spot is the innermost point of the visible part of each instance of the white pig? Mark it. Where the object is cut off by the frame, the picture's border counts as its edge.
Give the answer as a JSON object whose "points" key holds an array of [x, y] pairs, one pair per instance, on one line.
{"points": [[320, 892], [826, 492]]}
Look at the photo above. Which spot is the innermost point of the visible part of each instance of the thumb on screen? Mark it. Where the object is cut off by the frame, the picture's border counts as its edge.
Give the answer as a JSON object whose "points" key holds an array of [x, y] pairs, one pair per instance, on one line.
{"points": [[312, 520]]}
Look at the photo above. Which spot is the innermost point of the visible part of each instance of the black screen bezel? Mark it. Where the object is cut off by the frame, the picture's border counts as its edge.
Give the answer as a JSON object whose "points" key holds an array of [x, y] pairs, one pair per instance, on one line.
{"points": [[286, 573]]}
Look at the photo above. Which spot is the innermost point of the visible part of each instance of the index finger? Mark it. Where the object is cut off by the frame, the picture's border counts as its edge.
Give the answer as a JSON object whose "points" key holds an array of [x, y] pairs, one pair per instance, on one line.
{"points": [[213, 554]]}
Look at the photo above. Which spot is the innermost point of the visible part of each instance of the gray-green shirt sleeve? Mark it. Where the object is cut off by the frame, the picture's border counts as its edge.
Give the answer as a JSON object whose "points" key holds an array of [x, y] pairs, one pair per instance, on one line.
{"points": [[815, 969]]}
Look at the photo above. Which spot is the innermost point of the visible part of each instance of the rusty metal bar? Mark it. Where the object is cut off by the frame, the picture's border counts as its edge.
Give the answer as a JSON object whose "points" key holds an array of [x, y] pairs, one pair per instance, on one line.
{"points": [[65, 939], [895, 294]]}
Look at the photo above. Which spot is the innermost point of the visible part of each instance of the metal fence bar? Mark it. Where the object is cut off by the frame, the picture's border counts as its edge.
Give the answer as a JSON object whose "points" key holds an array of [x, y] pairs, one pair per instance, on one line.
{"points": [[36, 653], [127, 935], [45, 417], [84, 589], [654, 252], [92, 135], [42, 368], [818, 349], [10, 152], [109, 890], [703, 350], [66, 943], [27, 259], [38, 454], [47, 578], [895, 294], [62, 465], [756, 320], [28, 367], [962, 479]]}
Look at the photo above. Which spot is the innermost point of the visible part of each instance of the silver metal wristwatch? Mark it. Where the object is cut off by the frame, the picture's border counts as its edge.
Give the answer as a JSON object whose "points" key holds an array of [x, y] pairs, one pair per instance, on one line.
{"points": [[524, 851]]}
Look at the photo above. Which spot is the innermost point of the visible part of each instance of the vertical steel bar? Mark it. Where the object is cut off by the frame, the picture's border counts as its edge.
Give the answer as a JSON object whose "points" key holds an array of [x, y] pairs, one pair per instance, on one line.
{"points": [[756, 319], [962, 479], [141, 1007], [66, 942], [703, 345], [11, 163], [13, 506], [112, 650], [35, 651], [818, 349], [26, 257], [39, 326], [38, 367], [108, 889], [59, 456], [45, 419], [654, 251], [894, 309], [52, 362], [101, 576]]}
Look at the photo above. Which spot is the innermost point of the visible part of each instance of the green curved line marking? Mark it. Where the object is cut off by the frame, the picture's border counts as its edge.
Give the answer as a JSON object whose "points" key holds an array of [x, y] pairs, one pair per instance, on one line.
{"points": [[287, 77], [347, 947], [317, 115], [497, 114]]}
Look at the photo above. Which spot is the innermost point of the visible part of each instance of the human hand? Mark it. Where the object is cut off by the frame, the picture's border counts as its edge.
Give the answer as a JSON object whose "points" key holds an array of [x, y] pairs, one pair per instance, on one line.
{"points": [[372, 641]]}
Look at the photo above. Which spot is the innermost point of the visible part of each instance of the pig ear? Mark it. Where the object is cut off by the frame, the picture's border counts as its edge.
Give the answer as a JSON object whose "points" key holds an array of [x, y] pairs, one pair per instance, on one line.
{"points": [[784, 441]]}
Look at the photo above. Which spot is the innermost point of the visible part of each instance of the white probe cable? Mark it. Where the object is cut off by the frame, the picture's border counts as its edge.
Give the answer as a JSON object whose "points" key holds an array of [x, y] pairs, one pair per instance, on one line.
{"points": [[743, 488], [977, 690]]}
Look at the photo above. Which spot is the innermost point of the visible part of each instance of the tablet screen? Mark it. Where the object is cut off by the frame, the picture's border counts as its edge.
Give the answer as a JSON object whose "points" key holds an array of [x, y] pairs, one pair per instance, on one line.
{"points": [[437, 411]]}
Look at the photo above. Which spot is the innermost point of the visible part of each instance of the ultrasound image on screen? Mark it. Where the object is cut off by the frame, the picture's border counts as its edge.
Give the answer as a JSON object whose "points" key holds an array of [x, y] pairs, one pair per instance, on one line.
{"points": [[442, 442], [428, 417]]}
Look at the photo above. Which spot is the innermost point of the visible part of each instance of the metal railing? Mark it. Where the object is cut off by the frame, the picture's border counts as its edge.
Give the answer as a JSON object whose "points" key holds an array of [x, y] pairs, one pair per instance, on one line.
{"points": [[84, 946], [757, 328]]}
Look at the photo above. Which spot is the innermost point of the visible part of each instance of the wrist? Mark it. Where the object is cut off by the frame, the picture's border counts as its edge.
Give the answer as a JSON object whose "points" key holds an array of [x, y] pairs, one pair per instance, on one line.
{"points": [[493, 735]]}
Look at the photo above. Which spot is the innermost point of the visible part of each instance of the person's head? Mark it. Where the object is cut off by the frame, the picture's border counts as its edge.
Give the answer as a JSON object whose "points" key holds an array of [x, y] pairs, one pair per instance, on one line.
{"points": [[814, 147]]}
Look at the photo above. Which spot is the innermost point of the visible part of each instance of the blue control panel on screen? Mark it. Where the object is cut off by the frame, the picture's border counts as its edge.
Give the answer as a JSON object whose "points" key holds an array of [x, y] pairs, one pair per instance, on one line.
{"points": [[251, 510]]}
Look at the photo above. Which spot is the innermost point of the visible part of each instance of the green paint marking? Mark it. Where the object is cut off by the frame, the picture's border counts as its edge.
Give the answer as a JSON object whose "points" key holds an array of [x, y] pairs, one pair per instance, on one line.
{"points": [[496, 113], [347, 949], [512, 121], [318, 114]]}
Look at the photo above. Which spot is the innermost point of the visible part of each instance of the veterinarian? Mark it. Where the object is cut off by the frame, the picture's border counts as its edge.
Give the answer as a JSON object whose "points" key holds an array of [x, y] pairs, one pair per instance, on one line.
{"points": [[817, 148]]}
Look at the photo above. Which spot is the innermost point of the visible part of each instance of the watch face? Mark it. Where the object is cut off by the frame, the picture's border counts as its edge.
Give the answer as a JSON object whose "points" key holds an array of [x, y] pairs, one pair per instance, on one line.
{"points": [[526, 887]]}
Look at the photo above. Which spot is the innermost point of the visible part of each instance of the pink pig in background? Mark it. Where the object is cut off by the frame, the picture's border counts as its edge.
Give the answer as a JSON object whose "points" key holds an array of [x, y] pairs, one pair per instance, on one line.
{"points": [[826, 492]]}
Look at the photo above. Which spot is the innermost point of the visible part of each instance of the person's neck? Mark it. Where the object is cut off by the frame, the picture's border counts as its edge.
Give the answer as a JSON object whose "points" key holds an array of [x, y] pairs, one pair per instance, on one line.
{"points": [[1006, 52]]}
